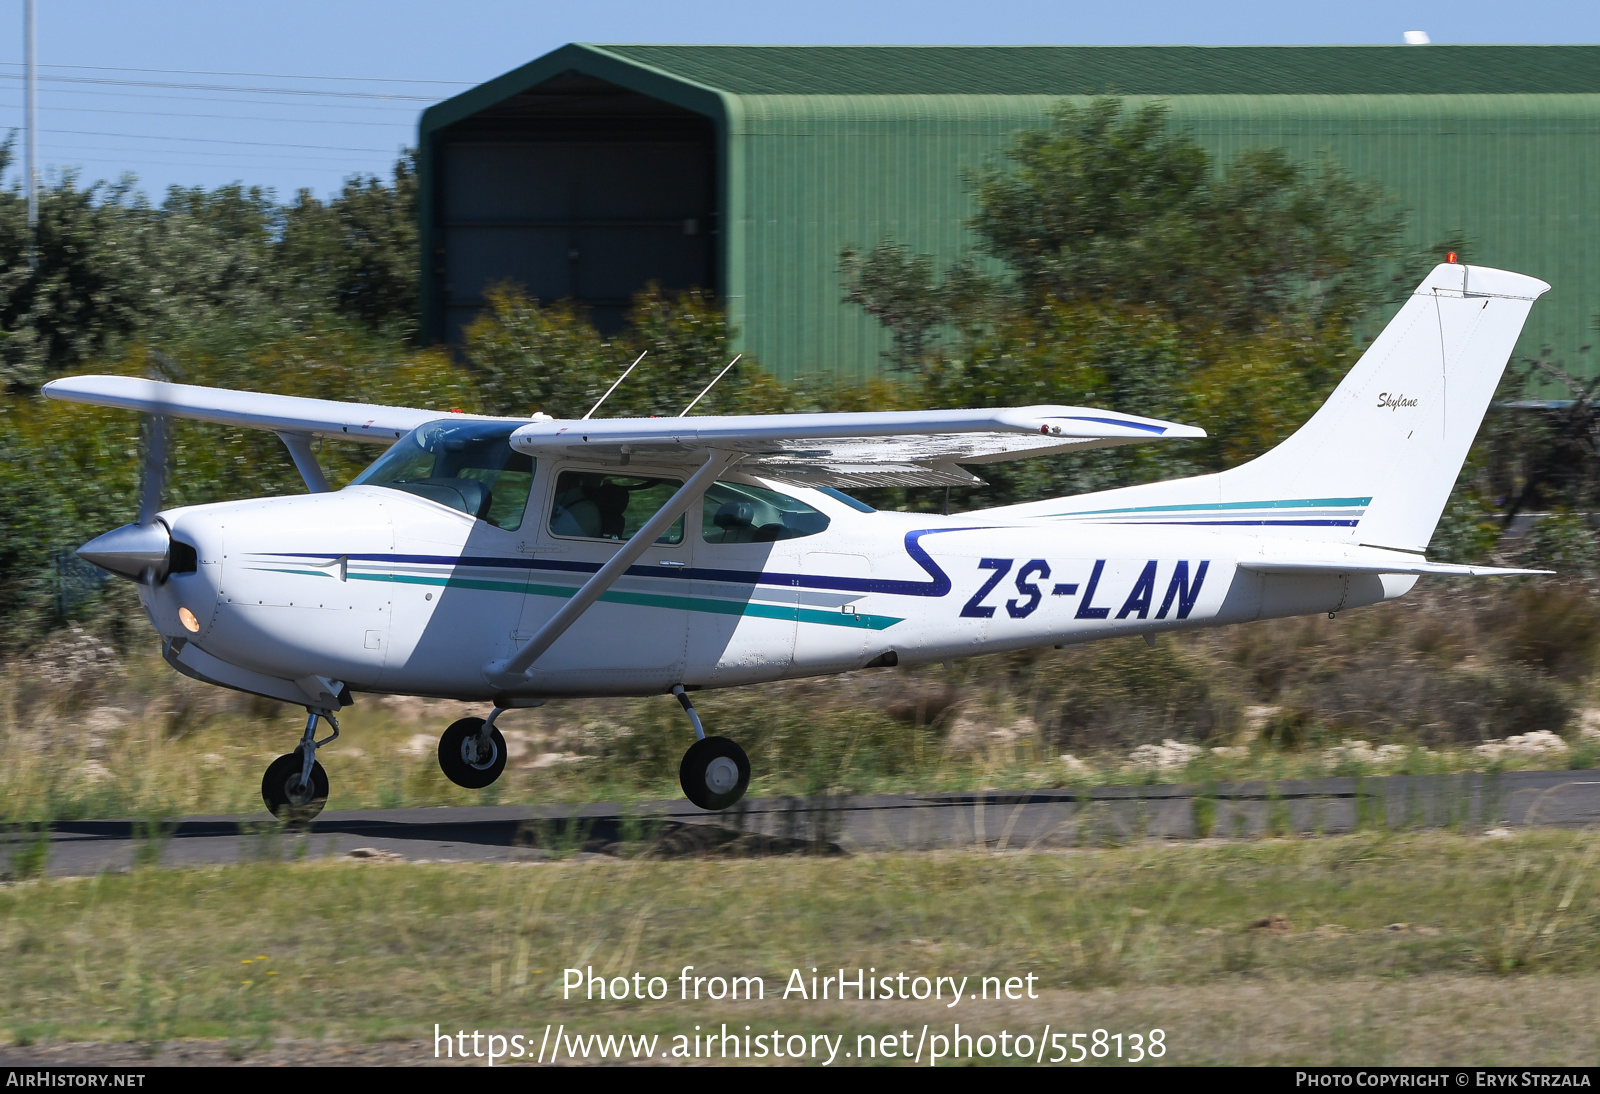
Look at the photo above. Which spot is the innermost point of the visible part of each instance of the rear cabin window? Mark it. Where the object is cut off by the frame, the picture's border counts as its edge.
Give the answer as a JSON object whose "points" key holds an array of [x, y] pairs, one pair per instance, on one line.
{"points": [[593, 505], [736, 513]]}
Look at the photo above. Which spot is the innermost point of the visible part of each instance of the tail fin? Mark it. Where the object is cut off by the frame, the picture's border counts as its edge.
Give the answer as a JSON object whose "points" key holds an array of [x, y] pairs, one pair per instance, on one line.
{"points": [[1375, 465]]}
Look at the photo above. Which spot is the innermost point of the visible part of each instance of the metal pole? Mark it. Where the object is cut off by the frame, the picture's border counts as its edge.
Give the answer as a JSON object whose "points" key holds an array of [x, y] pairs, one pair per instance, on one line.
{"points": [[31, 90]]}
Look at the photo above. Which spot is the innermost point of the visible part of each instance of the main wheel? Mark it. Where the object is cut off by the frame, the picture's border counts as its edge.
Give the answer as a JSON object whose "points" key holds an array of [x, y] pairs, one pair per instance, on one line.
{"points": [[715, 773], [286, 796], [463, 758]]}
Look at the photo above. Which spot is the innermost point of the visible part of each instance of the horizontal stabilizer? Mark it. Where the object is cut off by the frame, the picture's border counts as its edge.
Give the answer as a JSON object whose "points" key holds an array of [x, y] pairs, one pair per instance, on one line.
{"points": [[1336, 568]]}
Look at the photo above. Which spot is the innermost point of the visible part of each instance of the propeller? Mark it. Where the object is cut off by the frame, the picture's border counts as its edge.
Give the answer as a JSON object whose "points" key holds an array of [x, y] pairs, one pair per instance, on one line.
{"points": [[153, 475], [142, 550]]}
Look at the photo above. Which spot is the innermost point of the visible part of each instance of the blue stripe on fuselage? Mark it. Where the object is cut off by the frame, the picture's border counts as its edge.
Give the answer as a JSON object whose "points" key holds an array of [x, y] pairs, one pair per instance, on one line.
{"points": [[937, 587]]}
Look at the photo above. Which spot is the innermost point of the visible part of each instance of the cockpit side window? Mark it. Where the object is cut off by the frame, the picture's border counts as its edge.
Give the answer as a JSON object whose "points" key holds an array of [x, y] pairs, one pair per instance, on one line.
{"points": [[466, 465], [595, 505], [736, 513]]}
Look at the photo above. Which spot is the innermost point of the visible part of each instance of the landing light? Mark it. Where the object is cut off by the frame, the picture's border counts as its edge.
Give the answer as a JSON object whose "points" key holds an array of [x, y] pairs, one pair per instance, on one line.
{"points": [[190, 623]]}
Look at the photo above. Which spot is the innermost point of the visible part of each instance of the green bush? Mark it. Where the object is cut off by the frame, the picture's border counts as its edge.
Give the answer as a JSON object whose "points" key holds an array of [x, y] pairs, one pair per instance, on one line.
{"points": [[1554, 626]]}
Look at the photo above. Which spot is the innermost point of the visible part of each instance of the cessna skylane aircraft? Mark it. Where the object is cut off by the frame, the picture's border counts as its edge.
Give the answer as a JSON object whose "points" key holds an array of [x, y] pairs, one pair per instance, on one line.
{"points": [[510, 560]]}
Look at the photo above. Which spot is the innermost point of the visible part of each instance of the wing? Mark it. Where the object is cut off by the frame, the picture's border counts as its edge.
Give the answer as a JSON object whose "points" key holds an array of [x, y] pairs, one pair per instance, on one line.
{"points": [[246, 409], [886, 448]]}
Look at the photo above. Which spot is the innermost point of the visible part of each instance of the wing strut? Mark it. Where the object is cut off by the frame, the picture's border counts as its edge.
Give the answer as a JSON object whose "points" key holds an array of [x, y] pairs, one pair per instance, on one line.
{"points": [[514, 670], [305, 460]]}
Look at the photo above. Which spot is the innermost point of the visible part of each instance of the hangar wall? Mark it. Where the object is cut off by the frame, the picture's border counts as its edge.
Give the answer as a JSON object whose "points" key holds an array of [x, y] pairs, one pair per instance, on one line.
{"points": [[1517, 175], [814, 148]]}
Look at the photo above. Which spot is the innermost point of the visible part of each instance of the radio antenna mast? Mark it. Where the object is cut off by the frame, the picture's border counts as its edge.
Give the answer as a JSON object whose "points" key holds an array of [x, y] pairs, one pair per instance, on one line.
{"points": [[614, 386], [711, 385]]}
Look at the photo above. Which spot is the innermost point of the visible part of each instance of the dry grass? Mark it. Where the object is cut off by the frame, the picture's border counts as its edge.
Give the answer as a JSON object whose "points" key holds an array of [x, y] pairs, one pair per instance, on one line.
{"points": [[87, 732], [1418, 948]]}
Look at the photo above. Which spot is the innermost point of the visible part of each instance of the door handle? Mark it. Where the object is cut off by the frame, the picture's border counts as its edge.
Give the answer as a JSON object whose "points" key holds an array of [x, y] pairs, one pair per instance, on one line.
{"points": [[674, 565]]}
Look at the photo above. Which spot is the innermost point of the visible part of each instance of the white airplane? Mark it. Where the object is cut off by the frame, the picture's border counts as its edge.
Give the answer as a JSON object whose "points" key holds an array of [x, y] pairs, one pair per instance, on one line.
{"points": [[510, 560]]}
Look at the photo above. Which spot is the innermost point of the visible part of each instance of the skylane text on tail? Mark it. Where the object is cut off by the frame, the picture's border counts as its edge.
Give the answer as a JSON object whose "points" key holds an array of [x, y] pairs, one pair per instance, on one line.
{"points": [[509, 560]]}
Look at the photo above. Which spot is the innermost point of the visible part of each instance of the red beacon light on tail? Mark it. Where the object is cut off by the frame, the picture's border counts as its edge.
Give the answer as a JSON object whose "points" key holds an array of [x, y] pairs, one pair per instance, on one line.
{"points": [[1451, 257]]}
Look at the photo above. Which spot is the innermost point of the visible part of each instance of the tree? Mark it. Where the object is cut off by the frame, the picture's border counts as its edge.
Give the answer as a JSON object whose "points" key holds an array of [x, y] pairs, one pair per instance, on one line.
{"points": [[1108, 206], [900, 290], [360, 249], [1115, 208], [90, 286], [1134, 272], [113, 268], [530, 357]]}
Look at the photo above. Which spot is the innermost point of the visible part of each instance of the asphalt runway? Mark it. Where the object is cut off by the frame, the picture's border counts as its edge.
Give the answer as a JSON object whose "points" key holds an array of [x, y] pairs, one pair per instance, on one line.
{"points": [[991, 821]]}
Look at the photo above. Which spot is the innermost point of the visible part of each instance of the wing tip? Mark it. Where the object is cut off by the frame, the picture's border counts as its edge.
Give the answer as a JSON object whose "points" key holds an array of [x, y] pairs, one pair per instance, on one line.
{"points": [[89, 384]]}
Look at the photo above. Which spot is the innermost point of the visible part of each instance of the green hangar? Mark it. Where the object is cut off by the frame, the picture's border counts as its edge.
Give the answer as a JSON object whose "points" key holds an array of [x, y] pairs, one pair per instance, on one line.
{"points": [[743, 170]]}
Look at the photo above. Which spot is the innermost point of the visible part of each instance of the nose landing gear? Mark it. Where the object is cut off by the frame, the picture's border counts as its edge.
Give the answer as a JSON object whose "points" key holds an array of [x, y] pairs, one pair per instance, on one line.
{"points": [[715, 772], [295, 787]]}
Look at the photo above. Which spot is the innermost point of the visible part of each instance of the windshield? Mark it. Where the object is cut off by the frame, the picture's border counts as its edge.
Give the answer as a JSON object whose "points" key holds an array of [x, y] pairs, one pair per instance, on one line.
{"points": [[466, 465]]}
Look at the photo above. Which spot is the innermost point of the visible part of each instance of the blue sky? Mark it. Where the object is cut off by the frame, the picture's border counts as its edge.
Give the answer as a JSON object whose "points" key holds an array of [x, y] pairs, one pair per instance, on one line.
{"points": [[304, 94]]}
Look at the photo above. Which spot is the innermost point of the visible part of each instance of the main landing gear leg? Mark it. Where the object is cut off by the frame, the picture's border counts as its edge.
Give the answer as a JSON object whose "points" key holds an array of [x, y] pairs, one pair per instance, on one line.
{"points": [[472, 752], [715, 772], [295, 786]]}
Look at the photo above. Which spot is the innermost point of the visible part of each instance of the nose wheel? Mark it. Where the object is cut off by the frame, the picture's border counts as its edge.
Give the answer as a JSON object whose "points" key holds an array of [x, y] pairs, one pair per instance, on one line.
{"points": [[715, 772], [291, 797], [295, 787]]}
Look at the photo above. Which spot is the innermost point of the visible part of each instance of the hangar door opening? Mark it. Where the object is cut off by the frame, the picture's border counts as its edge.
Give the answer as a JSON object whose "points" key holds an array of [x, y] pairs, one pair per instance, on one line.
{"points": [[576, 189]]}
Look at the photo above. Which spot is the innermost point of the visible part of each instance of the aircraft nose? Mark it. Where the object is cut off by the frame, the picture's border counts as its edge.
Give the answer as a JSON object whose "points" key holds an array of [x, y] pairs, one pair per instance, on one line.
{"points": [[139, 551]]}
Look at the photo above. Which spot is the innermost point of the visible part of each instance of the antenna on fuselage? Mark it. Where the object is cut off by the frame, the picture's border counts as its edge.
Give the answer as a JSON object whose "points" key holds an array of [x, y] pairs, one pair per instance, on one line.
{"points": [[614, 386], [711, 385]]}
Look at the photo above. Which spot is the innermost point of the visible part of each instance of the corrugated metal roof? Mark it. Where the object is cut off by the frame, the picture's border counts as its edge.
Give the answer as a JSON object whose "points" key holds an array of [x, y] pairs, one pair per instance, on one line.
{"points": [[1126, 70]]}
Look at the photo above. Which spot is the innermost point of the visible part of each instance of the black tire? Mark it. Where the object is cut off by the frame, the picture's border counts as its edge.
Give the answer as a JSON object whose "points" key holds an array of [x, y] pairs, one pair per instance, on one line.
{"points": [[705, 777], [453, 749], [285, 798]]}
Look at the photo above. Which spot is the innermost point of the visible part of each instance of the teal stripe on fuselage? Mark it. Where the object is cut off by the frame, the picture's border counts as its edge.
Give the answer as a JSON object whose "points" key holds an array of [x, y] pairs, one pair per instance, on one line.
{"points": [[715, 606], [710, 605], [481, 584], [1223, 506]]}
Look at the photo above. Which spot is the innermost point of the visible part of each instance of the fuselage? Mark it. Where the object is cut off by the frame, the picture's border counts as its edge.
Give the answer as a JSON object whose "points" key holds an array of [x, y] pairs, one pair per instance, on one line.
{"points": [[383, 591]]}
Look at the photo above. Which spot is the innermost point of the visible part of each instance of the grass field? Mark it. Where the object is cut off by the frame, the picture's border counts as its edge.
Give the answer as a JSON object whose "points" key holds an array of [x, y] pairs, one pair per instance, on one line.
{"points": [[1385, 946], [1372, 948]]}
